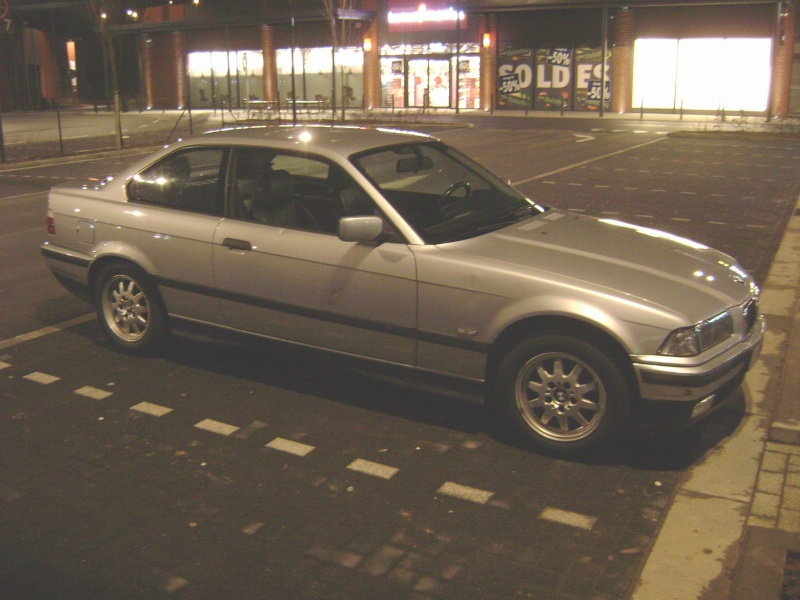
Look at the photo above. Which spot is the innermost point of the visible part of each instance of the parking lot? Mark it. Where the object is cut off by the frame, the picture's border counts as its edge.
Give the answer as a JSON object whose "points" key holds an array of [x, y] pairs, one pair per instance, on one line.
{"points": [[253, 471]]}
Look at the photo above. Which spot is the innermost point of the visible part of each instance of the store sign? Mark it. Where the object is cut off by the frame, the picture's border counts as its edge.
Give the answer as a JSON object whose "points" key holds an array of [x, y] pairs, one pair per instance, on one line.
{"points": [[408, 16]]}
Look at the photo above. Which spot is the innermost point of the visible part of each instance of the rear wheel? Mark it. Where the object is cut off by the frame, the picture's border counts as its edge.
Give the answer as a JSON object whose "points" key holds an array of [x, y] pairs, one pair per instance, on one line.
{"points": [[129, 309], [562, 393]]}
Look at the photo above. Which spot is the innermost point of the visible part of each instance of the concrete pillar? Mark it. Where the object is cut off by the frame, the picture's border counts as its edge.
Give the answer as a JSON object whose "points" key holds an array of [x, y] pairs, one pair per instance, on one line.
{"points": [[372, 68], [488, 55], [782, 64], [270, 75], [624, 36]]}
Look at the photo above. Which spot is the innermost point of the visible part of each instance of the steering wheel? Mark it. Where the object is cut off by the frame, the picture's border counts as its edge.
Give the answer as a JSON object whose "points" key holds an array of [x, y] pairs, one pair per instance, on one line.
{"points": [[444, 199]]}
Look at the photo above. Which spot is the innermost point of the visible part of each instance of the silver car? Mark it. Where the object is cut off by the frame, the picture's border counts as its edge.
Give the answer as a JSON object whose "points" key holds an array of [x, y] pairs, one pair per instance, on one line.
{"points": [[393, 247]]}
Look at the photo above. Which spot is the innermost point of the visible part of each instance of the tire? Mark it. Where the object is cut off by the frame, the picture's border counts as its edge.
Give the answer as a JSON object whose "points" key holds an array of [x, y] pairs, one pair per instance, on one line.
{"points": [[563, 394], [130, 309]]}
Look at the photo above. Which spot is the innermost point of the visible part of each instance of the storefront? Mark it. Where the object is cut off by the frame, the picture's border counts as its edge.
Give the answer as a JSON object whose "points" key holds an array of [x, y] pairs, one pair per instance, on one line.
{"points": [[651, 56], [428, 75], [431, 58]]}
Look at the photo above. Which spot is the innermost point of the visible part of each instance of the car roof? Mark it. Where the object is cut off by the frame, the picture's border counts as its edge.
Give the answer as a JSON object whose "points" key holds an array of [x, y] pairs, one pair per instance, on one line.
{"points": [[342, 140]]}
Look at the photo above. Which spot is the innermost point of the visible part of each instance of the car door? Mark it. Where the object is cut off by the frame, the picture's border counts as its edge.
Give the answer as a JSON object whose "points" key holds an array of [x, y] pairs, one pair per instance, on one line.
{"points": [[176, 205], [282, 272]]}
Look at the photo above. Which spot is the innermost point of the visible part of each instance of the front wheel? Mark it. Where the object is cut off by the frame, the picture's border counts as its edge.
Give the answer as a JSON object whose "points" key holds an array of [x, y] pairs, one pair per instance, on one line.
{"points": [[129, 309], [563, 394]]}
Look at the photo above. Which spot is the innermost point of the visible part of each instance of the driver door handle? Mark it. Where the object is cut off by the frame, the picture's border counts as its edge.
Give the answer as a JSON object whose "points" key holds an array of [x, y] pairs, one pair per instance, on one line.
{"points": [[235, 244]]}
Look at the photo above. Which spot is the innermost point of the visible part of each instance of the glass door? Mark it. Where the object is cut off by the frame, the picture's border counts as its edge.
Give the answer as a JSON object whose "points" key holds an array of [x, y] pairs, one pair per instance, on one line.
{"points": [[429, 82]]}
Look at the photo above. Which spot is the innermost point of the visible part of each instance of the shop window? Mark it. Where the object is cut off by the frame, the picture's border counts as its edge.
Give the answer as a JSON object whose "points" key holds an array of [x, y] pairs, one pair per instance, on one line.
{"points": [[708, 74]]}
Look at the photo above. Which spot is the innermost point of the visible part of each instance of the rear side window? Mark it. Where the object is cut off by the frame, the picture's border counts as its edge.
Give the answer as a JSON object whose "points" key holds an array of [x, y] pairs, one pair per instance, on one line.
{"points": [[186, 180]]}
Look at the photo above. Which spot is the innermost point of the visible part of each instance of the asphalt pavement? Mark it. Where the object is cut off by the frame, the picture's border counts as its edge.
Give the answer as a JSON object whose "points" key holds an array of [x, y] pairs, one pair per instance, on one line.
{"points": [[733, 529]]}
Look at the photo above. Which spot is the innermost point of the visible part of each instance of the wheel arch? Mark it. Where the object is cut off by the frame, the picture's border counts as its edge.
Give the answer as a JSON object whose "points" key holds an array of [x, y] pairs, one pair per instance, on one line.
{"points": [[565, 326], [99, 265], [101, 262]]}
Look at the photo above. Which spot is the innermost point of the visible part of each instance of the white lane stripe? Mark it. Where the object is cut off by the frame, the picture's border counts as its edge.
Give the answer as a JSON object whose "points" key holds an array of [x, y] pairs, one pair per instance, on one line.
{"points": [[42, 378], [585, 162], [463, 492], [26, 337], [372, 468], [289, 446], [216, 427], [151, 409], [566, 517], [93, 392]]}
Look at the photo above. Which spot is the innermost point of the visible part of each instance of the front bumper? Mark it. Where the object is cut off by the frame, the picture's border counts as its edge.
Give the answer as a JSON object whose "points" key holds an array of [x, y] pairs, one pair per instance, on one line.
{"points": [[699, 388]]}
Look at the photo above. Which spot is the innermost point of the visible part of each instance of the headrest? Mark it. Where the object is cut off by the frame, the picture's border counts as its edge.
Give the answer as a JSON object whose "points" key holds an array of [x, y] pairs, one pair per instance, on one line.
{"points": [[280, 183]]}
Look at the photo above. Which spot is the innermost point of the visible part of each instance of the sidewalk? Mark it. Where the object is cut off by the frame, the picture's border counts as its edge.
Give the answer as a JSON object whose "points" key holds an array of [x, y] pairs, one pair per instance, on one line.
{"points": [[736, 517]]}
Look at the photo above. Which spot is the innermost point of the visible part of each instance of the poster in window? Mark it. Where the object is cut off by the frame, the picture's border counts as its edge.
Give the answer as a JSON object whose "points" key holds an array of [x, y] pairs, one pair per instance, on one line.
{"points": [[514, 78], [589, 77], [554, 78]]}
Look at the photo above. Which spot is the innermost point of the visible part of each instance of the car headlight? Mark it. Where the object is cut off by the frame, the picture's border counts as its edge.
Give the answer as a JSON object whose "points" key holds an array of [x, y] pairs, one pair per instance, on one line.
{"points": [[691, 341]]}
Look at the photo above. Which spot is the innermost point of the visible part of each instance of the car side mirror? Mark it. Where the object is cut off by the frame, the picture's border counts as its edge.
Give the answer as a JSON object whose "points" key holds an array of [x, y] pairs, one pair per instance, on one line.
{"points": [[360, 229]]}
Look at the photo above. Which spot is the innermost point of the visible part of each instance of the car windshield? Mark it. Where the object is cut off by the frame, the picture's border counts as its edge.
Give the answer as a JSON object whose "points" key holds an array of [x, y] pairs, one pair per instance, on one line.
{"points": [[441, 193]]}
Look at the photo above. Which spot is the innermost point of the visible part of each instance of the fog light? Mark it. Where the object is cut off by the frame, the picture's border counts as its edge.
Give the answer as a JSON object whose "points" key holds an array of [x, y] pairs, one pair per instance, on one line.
{"points": [[703, 406]]}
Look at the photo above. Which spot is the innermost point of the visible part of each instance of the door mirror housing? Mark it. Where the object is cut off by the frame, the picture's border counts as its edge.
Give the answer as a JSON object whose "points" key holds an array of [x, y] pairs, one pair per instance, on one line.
{"points": [[360, 229]]}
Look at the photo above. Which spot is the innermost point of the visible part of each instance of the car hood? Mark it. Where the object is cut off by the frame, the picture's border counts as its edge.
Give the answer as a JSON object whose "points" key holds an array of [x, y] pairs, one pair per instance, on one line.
{"points": [[655, 267]]}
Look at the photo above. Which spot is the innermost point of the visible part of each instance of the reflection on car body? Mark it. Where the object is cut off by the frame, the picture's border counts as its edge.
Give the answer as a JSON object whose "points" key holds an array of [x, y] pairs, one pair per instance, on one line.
{"points": [[392, 246]]}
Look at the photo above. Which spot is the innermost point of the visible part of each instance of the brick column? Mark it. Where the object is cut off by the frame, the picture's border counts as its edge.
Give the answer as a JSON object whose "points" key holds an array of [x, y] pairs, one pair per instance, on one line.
{"points": [[488, 24], [147, 69], [372, 69], [782, 64], [622, 61], [270, 75], [178, 46]]}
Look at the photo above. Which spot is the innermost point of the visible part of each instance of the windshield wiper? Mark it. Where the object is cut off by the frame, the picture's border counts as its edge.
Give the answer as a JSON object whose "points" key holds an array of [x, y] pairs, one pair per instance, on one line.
{"points": [[508, 219]]}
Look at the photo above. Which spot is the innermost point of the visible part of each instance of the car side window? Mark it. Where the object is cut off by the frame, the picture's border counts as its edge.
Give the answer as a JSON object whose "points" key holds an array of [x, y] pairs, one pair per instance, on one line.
{"points": [[185, 180], [294, 191]]}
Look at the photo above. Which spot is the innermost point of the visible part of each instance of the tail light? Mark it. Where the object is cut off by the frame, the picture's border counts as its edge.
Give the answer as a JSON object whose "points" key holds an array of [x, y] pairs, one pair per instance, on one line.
{"points": [[51, 223]]}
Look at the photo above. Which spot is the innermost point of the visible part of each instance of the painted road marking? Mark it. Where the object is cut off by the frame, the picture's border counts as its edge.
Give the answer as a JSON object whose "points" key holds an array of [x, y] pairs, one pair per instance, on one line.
{"points": [[42, 378], [151, 409], [566, 517], [372, 468], [216, 427], [26, 337], [4, 365], [463, 492], [289, 446], [93, 393]]}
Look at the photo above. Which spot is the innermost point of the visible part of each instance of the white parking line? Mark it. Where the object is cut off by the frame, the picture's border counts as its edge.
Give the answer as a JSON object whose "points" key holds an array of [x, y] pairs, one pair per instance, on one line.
{"points": [[566, 517], [93, 393], [585, 162], [42, 378], [151, 409], [289, 446], [26, 337], [216, 427], [372, 468], [463, 492]]}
